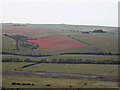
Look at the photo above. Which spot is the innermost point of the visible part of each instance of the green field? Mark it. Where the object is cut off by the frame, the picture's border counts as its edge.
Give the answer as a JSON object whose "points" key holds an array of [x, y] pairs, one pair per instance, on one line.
{"points": [[60, 82], [63, 68], [8, 43], [104, 42], [76, 68]]}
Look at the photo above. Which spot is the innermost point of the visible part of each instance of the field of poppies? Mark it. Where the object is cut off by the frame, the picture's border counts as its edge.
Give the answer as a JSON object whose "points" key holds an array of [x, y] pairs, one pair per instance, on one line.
{"points": [[58, 42]]}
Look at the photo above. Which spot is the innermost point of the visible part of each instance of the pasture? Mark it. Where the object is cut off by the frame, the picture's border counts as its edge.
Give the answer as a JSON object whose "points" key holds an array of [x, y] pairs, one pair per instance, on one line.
{"points": [[97, 69], [58, 82]]}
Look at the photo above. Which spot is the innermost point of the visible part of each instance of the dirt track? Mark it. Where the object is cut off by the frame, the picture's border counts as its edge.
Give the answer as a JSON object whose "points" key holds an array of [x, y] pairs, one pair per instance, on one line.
{"points": [[68, 75]]}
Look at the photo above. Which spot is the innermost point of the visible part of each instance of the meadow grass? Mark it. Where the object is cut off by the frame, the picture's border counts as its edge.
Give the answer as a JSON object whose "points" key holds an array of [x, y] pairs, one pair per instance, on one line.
{"points": [[60, 82], [98, 69], [76, 68], [8, 43]]}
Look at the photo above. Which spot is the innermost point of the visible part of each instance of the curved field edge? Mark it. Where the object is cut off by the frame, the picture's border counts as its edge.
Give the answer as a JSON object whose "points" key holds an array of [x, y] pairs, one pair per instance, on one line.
{"points": [[100, 69], [8, 67]]}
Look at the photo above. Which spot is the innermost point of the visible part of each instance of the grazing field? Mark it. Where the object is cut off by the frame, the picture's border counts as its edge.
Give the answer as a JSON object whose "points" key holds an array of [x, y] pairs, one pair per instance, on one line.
{"points": [[41, 81], [100, 69], [59, 82]]}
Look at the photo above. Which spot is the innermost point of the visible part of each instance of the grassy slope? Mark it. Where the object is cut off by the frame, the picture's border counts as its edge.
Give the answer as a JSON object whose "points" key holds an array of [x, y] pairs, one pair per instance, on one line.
{"points": [[104, 42], [8, 43], [68, 27], [73, 27]]}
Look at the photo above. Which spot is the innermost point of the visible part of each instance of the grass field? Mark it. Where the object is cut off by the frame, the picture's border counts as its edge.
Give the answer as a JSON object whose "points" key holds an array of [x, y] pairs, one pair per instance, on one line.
{"points": [[8, 43], [60, 82], [103, 41], [76, 68]]}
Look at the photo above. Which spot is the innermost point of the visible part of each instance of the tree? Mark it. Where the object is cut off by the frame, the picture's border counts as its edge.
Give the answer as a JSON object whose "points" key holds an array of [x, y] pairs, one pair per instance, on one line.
{"points": [[54, 60], [27, 60]]}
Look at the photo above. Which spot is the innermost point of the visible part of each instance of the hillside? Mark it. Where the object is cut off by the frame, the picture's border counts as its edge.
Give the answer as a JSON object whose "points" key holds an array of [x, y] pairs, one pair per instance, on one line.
{"points": [[59, 55], [66, 27]]}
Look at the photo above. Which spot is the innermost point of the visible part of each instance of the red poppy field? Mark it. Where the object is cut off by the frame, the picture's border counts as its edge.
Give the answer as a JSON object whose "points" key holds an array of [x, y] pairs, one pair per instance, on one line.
{"points": [[57, 42]]}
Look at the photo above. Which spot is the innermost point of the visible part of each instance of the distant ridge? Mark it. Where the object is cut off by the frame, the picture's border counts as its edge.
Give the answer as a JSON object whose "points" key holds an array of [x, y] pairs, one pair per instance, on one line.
{"points": [[66, 27]]}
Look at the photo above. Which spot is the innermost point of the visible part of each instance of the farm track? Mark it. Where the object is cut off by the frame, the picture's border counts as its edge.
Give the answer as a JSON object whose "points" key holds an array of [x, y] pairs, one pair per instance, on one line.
{"points": [[67, 75]]}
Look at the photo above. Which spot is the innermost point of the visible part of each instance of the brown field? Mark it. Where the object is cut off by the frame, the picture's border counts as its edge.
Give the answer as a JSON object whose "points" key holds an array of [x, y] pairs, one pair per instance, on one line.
{"points": [[30, 32]]}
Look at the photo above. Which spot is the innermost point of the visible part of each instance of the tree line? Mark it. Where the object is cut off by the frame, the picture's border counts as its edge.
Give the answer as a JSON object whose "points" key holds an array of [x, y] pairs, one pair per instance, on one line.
{"points": [[22, 41], [63, 61]]}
